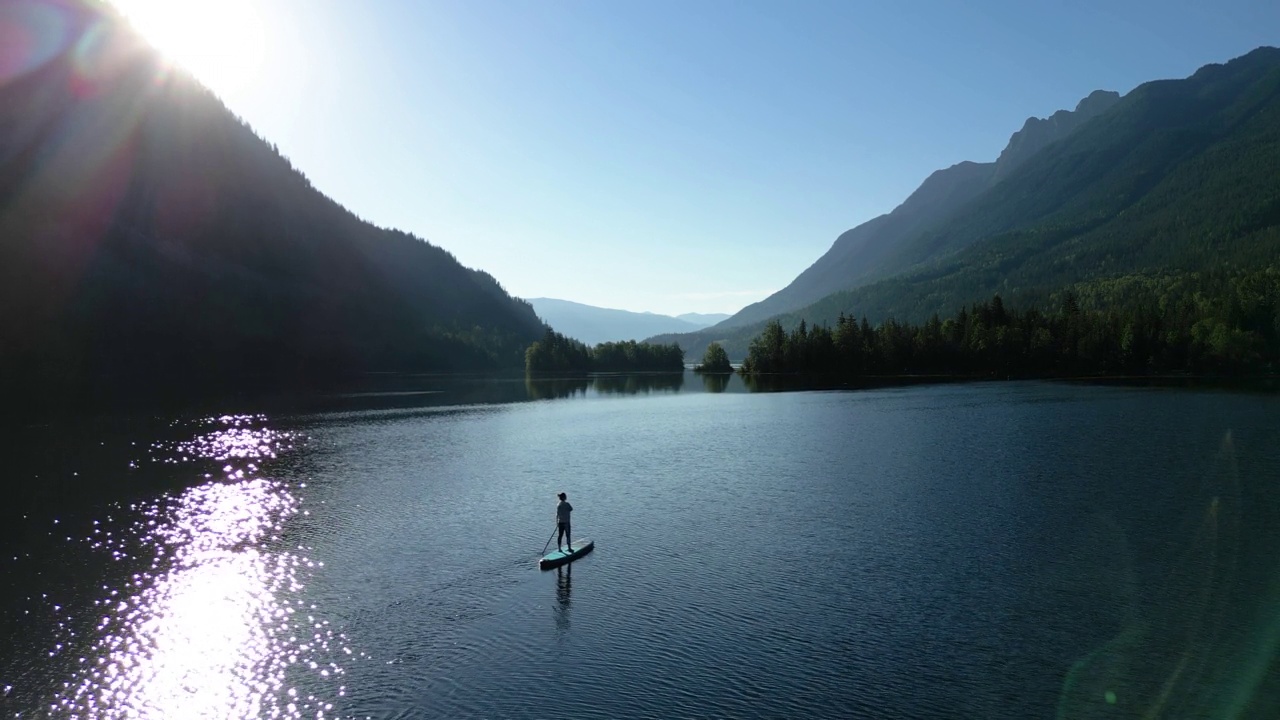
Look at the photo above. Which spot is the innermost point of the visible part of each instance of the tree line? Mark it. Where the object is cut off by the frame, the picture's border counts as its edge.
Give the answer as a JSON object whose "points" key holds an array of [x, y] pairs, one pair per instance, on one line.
{"points": [[556, 353], [1222, 322]]}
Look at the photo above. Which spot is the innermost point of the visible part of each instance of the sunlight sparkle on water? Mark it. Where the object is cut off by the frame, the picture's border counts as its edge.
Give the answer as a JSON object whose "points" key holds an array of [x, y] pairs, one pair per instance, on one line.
{"points": [[217, 627]]}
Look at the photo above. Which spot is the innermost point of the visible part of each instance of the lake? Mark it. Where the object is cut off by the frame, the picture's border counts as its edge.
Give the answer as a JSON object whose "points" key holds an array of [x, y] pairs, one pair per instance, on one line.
{"points": [[988, 550]]}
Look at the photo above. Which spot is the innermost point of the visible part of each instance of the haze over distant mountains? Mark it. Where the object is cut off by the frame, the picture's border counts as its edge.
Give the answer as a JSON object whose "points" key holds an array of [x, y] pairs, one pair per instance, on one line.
{"points": [[1178, 176], [704, 319], [594, 325]]}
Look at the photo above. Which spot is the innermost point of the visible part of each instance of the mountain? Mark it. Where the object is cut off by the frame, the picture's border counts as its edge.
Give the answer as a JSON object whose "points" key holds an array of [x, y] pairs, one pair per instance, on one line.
{"points": [[866, 252], [1038, 133], [151, 242], [1181, 174], [1177, 178], [703, 319], [594, 325]]}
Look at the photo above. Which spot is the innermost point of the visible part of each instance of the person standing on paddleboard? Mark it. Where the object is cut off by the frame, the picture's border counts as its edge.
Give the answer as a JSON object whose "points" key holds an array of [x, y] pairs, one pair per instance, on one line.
{"points": [[563, 508]]}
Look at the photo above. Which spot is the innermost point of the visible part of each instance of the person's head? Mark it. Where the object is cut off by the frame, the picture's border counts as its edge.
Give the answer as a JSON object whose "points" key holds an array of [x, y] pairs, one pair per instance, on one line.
{"points": [[562, 496]]}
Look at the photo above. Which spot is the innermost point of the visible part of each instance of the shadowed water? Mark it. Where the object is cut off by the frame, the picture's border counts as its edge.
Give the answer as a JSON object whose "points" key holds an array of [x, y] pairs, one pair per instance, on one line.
{"points": [[997, 550]]}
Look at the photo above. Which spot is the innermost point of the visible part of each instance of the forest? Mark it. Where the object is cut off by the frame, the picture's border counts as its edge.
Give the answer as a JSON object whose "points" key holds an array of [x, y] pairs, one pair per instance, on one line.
{"points": [[1224, 322], [557, 354]]}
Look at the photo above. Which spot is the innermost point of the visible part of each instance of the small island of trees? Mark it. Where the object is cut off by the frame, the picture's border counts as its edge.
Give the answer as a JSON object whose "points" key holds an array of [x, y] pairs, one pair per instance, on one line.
{"points": [[558, 354], [714, 360]]}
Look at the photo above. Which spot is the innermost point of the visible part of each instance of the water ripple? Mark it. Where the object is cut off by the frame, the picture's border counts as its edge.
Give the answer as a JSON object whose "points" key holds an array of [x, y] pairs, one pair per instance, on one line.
{"points": [[986, 552], [216, 624]]}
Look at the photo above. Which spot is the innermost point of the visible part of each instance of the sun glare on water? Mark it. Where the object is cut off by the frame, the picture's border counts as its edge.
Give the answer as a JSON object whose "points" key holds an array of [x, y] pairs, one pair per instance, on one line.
{"points": [[218, 41]]}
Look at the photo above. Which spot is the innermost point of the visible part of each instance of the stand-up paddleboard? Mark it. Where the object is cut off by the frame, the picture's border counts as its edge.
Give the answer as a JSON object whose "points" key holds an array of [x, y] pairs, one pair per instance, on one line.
{"points": [[560, 557]]}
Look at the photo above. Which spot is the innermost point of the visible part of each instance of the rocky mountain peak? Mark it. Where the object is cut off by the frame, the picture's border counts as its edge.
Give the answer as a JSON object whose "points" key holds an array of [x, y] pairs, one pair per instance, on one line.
{"points": [[1037, 133]]}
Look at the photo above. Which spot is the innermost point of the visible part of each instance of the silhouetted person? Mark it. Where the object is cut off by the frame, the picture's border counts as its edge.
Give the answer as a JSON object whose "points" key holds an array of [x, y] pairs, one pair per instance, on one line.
{"points": [[563, 508]]}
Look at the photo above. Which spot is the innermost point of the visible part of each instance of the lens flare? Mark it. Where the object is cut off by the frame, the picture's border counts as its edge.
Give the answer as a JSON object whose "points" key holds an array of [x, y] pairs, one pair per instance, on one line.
{"points": [[31, 34], [220, 43], [1185, 652]]}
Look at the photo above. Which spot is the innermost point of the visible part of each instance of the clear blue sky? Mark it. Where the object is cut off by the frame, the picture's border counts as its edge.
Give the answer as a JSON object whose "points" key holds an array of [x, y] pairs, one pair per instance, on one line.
{"points": [[682, 156]]}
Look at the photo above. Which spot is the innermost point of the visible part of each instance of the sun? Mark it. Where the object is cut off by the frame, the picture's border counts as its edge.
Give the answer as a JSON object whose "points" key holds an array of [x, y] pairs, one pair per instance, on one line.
{"points": [[219, 41]]}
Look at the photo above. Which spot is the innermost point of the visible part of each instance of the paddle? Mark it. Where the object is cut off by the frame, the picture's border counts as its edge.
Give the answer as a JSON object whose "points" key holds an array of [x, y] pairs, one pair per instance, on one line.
{"points": [[544, 547]]}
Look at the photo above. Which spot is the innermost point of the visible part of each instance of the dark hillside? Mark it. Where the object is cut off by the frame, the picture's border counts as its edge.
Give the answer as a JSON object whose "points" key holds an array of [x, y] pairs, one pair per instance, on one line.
{"points": [[151, 242]]}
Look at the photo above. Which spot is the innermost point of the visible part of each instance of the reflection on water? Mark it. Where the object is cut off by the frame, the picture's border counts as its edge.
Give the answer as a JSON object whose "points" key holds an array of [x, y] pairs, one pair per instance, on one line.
{"points": [[715, 382], [390, 391], [556, 388], [792, 383], [564, 581], [622, 384], [213, 625], [409, 391], [638, 384]]}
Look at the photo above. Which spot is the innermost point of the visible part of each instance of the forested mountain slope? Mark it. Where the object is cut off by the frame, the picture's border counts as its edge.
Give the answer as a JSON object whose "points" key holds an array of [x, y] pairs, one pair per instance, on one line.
{"points": [[150, 240], [1180, 176], [867, 252]]}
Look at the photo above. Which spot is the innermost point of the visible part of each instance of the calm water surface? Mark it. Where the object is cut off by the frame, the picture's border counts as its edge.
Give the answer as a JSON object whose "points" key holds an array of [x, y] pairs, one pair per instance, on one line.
{"points": [[1016, 550]]}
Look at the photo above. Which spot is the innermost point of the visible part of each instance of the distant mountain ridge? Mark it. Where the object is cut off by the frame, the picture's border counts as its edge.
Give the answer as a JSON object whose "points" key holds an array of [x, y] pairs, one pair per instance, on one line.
{"points": [[866, 253], [703, 319], [150, 242], [594, 325], [1178, 177]]}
